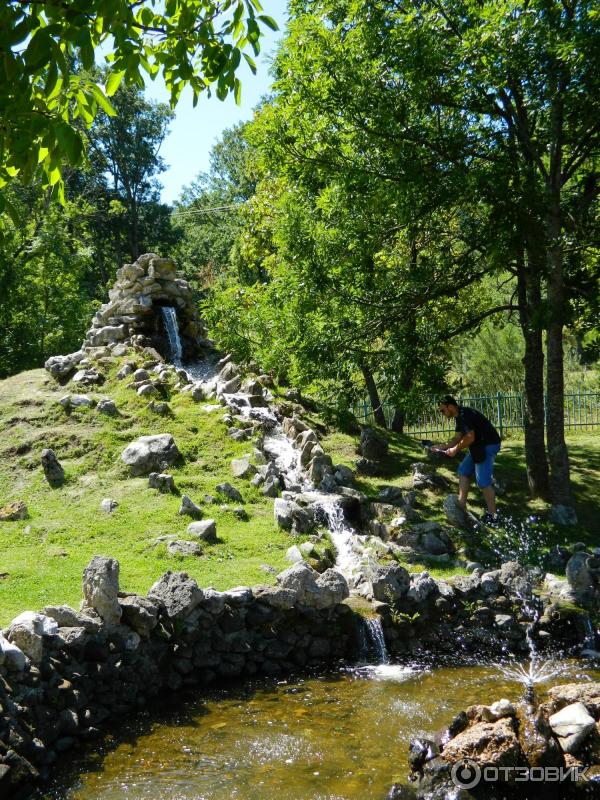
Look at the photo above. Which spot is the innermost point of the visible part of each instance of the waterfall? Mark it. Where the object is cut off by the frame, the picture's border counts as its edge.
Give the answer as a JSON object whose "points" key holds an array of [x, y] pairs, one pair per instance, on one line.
{"points": [[374, 630], [170, 320], [589, 642]]}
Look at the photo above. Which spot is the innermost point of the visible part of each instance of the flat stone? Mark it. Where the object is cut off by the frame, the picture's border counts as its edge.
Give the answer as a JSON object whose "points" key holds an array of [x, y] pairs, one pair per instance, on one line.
{"points": [[572, 724], [184, 548], [13, 511]]}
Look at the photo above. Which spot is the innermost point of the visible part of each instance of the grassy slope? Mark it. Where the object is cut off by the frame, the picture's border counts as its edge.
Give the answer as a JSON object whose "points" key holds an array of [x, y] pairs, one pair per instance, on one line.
{"points": [[44, 556]]}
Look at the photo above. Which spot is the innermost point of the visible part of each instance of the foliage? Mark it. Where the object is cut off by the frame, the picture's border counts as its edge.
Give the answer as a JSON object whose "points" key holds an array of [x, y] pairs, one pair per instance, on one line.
{"points": [[46, 44]]}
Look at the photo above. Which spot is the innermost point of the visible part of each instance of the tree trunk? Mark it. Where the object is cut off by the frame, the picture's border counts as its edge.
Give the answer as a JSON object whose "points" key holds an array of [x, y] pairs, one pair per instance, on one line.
{"points": [[529, 294], [560, 488], [374, 397], [398, 421]]}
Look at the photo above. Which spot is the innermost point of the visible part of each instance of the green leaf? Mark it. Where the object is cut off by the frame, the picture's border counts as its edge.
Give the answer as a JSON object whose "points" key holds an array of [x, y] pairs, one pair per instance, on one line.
{"points": [[237, 90], [269, 22], [113, 82], [69, 142], [102, 100], [251, 63]]}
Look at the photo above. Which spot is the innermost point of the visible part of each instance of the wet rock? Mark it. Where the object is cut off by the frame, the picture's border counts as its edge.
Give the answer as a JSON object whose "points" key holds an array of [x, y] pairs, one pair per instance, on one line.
{"points": [[373, 445], [178, 593], [14, 511], [422, 585], [516, 578], [490, 743], [205, 530], [568, 693], [581, 577], [390, 583], [108, 506], [148, 453], [189, 508], [572, 724], [55, 474], [229, 491], [101, 588], [163, 482], [107, 407]]}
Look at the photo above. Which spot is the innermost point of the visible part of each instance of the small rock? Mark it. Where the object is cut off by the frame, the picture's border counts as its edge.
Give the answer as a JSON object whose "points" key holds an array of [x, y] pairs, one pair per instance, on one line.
{"points": [[229, 491], [373, 445], [14, 511], [572, 724], [563, 515], [189, 508], [205, 530], [108, 407], [163, 482], [455, 514], [148, 453], [108, 505], [178, 593], [70, 401], [55, 474], [181, 547], [162, 409], [242, 468]]}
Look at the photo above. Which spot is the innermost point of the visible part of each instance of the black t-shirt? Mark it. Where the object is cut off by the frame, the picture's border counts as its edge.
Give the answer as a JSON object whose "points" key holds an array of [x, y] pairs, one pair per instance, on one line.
{"points": [[469, 419]]}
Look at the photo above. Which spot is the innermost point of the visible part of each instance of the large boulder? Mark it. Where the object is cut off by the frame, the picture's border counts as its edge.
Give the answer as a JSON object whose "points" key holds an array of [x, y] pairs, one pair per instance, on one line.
{"points": [[488, 743], [149, 453], [140, 613], [178, 593], [27, 631], [455, 513], [581, 572], [101, 588], [62, 366], [205, 530]]}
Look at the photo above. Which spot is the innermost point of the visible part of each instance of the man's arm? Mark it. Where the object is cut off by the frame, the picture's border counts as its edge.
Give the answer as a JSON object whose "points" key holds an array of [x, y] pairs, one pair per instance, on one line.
{"points": [[460, 442], [443, 448]]}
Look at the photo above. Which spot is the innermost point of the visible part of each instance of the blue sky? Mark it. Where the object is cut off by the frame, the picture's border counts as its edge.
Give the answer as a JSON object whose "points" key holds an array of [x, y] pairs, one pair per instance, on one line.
{"points": [[194, 131]]}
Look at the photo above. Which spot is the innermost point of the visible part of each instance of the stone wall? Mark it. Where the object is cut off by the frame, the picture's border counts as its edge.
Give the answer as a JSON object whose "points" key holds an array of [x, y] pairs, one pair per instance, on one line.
{"points": [[64, 673]]}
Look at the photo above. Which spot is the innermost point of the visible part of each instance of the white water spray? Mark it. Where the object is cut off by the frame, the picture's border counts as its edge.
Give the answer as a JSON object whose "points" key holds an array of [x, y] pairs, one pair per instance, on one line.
{"points": [[170, 321]]}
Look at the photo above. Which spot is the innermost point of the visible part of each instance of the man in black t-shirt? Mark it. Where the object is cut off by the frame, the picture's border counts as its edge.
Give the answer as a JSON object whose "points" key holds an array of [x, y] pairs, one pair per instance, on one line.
{"points": [[476, 432]]}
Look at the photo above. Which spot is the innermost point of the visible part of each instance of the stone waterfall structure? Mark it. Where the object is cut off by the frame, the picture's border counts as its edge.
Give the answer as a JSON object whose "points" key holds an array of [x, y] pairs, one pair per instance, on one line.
{"points": [[134, 316], [133, 312]]}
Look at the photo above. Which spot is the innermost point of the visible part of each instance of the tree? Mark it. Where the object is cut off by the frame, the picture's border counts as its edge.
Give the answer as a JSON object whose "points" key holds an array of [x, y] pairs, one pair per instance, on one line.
{"points": [[126, 146], [483, 113], [46, 44]]}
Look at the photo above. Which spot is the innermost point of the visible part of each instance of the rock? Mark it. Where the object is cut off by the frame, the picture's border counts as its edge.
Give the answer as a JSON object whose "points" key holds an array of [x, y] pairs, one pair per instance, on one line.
{"points": [[88, 377], [231, 386], [163, 483], [320, 466], [189, 508], [373, 445], [563, 515], [455, 514], [70, 401], [205, 530], [582, 579], [148, 453], [312, 589], [229, 491], [421, 587], [366, 467], [271, 486], [426, 477], [11, 656], [391, 495], [101, 588], [180, 547], [568, 693], [55, 474], [13, 511], [108, 506], [276, 597], [108, 407], [178, 593], [147, 390], [282, 511], [572, 725], [67, 617], [61, 366], [516, 578], [293, 554], [242, 468], [433, 545], [390, 583], [162, 409], [493, 744], [343, 475], [238, 596], [27, 631]]}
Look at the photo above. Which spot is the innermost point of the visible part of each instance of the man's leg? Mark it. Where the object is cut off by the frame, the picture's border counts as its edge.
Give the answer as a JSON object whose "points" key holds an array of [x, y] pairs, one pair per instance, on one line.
{"points": [[489, 495], [464, 483]]}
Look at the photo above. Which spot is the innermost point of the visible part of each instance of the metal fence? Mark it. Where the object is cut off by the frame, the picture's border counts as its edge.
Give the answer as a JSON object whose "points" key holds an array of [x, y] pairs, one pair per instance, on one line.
{"points": [[506, 411]]}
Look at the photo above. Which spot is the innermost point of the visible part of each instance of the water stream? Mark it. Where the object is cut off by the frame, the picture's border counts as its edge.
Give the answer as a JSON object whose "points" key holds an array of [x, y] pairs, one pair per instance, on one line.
{"points": [[169, 317]]}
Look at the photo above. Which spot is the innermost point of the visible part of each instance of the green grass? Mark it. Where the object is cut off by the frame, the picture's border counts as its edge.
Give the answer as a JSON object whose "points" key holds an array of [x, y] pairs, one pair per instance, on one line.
{"points": [[42, 558]]}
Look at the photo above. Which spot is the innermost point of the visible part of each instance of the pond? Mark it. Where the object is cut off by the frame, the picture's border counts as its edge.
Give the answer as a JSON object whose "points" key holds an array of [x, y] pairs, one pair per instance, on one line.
{"points": [[340, 736]]}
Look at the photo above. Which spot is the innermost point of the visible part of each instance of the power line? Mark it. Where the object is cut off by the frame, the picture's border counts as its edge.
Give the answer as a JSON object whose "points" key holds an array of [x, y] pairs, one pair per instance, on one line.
{"points": [[206, 210]]}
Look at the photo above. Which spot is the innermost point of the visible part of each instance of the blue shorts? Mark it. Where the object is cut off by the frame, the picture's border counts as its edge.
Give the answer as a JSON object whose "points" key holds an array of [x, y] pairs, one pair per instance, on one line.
{"points": [[482, 471]]}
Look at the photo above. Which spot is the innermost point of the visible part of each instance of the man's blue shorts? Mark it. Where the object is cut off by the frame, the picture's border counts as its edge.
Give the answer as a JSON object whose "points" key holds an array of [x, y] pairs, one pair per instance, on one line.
{"points": [[482, 471]]}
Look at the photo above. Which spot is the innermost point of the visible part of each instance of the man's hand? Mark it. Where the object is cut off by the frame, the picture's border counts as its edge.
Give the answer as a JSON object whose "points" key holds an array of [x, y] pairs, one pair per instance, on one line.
{"points": [[451, 451], [437, 449]]}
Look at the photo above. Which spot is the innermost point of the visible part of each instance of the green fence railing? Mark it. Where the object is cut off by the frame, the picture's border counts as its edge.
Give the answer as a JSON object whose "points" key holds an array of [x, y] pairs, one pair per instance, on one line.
{"points": [[505, 410]]}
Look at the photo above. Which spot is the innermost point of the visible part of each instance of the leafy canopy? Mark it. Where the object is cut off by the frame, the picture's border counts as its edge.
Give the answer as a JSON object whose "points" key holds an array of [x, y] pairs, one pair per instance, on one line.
{"points": [[48, 48]]}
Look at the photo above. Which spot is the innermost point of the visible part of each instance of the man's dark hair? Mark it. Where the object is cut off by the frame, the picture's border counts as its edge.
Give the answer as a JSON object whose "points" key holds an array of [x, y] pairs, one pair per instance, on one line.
{"points": [[447, 400]]}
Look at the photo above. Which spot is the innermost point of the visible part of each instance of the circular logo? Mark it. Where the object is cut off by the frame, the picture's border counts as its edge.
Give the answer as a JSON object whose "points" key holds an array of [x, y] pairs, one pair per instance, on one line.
{"points": [[466, 774]]}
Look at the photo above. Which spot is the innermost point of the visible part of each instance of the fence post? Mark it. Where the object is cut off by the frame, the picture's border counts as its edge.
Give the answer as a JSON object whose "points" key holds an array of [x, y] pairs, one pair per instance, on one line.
{"points": [[499, 411]]}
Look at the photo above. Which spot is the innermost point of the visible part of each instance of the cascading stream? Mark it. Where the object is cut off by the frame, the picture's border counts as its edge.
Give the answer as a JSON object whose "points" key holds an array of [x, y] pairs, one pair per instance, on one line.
{"points": [[169, 317]]}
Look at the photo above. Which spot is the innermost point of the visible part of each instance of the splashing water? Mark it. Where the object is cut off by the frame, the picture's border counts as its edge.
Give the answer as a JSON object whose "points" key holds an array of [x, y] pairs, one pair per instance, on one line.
{"points": [[170, 320], [377, 639], [536, 672], [519, 540]]}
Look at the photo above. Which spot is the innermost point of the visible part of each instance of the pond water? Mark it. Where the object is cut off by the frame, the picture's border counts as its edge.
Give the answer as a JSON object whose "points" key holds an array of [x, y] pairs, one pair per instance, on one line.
{"points": [[342, 736]]}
